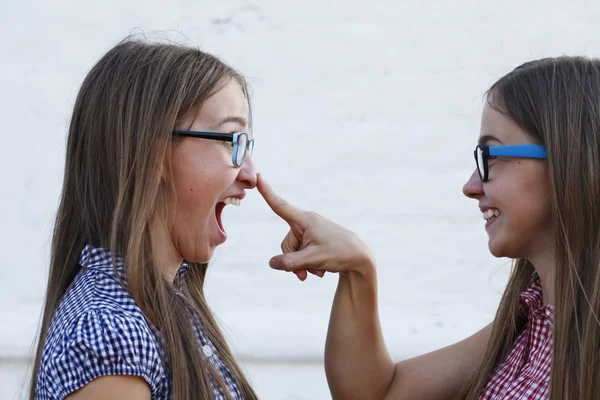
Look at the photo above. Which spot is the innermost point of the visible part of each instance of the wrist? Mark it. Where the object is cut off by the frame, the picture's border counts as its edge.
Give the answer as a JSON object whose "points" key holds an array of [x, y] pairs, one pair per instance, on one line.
{"points": [[366, 268], [360, 284]]}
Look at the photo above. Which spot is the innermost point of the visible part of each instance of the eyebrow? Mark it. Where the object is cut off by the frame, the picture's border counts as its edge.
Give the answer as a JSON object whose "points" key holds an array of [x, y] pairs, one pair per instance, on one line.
{"points": [[239, 120], [484, 139]]}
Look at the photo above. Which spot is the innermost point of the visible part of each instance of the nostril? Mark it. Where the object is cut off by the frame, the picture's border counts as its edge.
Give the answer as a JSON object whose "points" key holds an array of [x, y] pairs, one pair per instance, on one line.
{"points": [[248, 181]]}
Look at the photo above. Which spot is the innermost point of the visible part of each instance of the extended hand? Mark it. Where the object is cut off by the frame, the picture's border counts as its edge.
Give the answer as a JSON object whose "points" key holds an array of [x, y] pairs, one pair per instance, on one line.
{"points": [[314, 243]]}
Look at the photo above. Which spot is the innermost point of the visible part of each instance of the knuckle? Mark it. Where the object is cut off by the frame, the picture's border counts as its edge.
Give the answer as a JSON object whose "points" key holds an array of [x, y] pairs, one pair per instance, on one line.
{"points": [[313, 215], [286, 263]]}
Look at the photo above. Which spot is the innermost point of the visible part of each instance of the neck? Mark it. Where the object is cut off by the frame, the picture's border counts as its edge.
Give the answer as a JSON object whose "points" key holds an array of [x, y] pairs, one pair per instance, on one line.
{"points": [[544, 266], [164, 251]]}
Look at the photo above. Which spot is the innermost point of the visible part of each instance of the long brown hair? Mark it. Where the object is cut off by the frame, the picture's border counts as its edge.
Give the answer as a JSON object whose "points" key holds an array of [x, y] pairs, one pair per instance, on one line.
{"points": [[119, 136], [557, 102]]}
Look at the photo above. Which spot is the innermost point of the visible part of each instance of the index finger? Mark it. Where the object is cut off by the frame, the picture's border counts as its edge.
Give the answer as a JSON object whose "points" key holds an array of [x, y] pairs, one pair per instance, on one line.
{"points": [[278, 204]]}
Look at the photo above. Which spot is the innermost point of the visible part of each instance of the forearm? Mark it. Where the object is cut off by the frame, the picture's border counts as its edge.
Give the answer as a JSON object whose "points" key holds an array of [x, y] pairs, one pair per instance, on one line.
{"points": [[357, 363]]}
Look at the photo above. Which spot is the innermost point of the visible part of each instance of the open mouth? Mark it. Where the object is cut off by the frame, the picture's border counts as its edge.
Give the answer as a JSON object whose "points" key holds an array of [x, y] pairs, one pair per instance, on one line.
{"points": [[219, 210], [491, 214], [218, 214]]}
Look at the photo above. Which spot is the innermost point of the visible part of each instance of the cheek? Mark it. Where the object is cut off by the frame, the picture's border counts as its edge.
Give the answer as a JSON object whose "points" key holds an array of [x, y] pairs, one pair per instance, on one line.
{"points": [[527, 201], [196, 193], [201, 185], [202, 173], [191, 186], [543, 207]]}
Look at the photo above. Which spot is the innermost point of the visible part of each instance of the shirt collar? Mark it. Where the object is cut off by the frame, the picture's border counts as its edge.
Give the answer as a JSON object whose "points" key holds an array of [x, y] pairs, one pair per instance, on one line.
{"points": [[102, 260], [99, 258], [532, 302], [180, 275]]}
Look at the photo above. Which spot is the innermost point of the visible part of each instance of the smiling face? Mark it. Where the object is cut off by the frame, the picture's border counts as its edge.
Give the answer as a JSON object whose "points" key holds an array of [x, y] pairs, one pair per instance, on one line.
{"points": [[515, 201], [204, 177]]}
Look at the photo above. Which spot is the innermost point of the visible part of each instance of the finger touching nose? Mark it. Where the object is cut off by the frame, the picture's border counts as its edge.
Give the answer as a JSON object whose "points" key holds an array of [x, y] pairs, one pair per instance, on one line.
{"points": [[279, 205]]}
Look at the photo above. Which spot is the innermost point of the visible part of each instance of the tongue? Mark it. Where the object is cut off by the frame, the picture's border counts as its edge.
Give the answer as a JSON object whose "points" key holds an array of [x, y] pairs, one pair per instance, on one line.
{"points": [[218, 211]]}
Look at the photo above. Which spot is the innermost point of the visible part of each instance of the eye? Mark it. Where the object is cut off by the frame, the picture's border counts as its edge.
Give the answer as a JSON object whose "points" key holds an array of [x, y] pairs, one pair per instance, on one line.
{"points": [[228, 146]]}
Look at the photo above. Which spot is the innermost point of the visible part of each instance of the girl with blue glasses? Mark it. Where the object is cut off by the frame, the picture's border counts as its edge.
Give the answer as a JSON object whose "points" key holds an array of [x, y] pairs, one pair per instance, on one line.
{"points": [[537, 184]]}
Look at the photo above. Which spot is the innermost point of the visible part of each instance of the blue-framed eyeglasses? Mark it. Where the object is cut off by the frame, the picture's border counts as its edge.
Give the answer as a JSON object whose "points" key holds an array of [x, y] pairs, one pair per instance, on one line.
{"points": [[484, 153], [242, 144]]}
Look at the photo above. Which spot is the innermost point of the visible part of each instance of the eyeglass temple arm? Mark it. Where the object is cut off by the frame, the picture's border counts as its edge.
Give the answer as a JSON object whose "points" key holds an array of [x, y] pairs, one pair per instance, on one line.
{"points": [[525, 151], [205, 135]]}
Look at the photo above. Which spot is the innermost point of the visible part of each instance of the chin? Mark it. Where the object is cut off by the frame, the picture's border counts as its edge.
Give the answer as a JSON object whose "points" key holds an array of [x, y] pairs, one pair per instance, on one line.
{"points": [[498, 250], [202, 257]]}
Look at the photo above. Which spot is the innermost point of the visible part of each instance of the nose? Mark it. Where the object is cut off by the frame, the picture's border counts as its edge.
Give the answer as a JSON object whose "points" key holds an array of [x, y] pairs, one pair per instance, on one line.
{"points": [[474, 187], [248, 176]]}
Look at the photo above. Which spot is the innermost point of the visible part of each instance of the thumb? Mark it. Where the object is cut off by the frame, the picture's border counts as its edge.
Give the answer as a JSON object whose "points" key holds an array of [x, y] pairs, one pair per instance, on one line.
{"points": [[306, 258]]}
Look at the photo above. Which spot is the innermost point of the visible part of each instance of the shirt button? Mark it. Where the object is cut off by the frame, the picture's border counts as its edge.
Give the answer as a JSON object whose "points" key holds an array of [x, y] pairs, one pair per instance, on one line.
{"points": [[207, 350]]}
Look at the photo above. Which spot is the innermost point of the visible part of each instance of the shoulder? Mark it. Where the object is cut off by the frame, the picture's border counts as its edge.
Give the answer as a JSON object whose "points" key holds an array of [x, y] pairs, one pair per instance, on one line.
{"points": [[116, 387], [96, 331]]}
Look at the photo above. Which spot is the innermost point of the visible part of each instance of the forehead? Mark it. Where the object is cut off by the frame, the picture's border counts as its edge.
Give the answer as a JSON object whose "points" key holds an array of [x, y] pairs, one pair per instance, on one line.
{"points": [[496, 127], [229, 104]]}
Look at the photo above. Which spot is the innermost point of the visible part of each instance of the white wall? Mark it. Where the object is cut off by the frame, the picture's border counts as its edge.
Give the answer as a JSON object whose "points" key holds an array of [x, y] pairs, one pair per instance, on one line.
{"points": [[366, 112]]}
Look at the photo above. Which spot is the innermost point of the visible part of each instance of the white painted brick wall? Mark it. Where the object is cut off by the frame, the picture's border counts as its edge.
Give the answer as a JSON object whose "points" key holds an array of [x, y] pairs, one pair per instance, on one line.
{"points": [[366, 112]]}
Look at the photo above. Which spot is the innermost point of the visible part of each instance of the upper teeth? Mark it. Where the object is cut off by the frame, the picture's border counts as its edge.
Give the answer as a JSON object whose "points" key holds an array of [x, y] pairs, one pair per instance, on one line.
{"points": [[492, 212], [232, 200]]}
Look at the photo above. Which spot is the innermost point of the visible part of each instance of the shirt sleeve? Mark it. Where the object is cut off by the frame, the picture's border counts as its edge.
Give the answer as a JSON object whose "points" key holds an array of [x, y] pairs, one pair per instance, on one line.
{"points": [[102, 342]]}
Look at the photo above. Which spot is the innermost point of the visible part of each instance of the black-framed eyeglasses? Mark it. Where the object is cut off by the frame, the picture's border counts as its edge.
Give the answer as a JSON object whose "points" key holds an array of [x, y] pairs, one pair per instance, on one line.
{"points": [[484, 153], [242, 143]]}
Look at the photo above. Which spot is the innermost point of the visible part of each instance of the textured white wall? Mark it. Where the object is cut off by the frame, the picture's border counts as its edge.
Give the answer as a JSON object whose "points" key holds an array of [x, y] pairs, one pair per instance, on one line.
{"points": [[366, 112]]}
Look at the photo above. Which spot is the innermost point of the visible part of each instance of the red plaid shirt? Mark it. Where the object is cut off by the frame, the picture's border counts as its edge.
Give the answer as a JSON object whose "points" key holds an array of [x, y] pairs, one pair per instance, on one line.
{"points": [[525, 372]]}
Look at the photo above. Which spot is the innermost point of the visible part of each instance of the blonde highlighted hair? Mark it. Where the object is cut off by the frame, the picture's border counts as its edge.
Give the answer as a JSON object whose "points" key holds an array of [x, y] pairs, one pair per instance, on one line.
{"points": [[557, 102], [119, 135]]}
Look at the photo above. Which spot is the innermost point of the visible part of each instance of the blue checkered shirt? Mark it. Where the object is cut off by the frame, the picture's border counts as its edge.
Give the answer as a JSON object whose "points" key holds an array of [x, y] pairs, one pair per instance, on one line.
{"points": [[98, 330]]}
